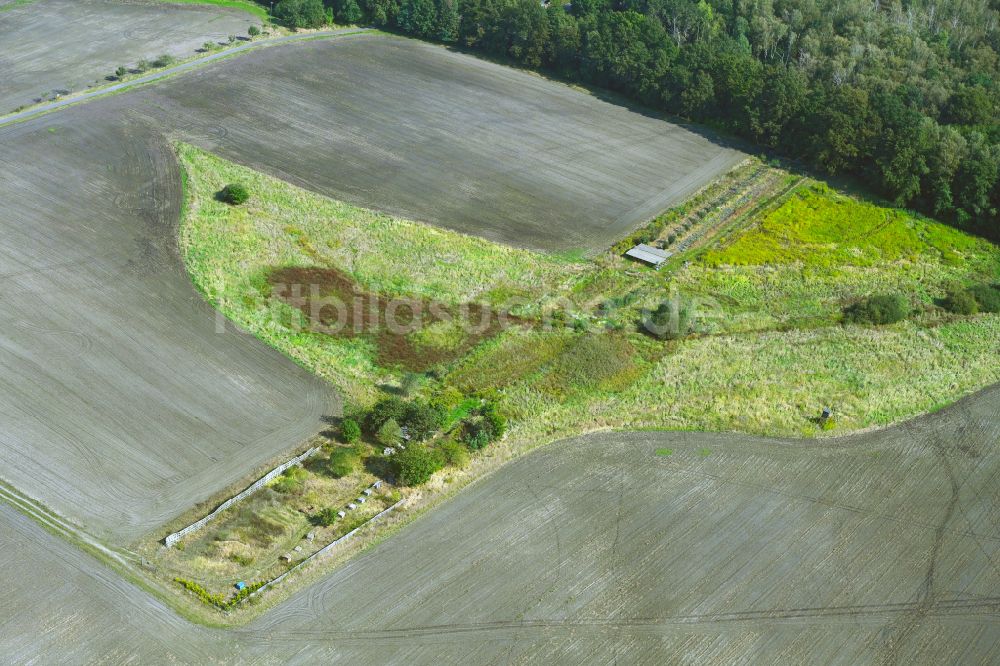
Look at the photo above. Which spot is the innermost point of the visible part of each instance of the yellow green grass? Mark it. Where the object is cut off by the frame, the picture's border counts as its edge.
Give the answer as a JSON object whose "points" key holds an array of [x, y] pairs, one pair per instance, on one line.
{"points": [[819, 227], [769, 351], [800, 263]]}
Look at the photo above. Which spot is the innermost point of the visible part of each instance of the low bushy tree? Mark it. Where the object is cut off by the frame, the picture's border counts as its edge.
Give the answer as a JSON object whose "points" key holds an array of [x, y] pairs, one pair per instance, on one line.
{"points": [[417, 464], [301, 13], [349, 12], [880, 309], [234, 194], [486, 426], [350, 431], [389, 433], [253, 31], [121, 72], [960, 301], [387, 408], [164, 60], [987, 297], [422, 420]]}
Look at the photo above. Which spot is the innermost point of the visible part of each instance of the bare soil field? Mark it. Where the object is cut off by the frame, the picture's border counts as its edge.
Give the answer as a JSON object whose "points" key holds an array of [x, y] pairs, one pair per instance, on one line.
{"points": [[122, 405], [415, 130], [67, 45], [636, 547]]}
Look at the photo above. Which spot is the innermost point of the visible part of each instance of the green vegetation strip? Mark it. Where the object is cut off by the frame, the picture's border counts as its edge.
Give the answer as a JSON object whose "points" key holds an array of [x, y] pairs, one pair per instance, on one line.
{"points": [[14, 4], [246, 5], [769, 349]]}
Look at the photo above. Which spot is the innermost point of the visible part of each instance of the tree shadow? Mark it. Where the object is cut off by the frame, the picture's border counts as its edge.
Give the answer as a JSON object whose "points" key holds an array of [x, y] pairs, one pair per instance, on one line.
{"points": [[382, 467]]}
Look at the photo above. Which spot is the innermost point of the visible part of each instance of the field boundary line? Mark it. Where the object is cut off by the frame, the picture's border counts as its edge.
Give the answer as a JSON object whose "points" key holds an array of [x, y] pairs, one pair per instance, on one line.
{"points": [[44, 109], [322, 552], [172, 539]]}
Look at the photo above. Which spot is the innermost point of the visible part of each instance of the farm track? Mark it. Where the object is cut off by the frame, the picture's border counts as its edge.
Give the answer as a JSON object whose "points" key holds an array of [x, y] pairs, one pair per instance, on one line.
{"points": [[882, 547], [105, 34]]}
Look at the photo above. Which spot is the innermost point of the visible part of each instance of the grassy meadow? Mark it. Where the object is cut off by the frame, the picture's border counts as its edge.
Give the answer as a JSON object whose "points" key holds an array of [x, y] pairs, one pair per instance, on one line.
{"points": [[230, 251], [767, 351], [767, 348]]}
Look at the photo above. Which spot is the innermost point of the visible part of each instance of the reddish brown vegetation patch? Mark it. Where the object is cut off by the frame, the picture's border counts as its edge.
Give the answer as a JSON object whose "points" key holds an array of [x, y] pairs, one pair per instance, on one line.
{"points": [[334, 304]]}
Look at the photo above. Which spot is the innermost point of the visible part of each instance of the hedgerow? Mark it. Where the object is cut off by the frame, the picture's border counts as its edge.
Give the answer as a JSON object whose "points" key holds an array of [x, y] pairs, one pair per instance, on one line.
{"points": [[218, 600]]}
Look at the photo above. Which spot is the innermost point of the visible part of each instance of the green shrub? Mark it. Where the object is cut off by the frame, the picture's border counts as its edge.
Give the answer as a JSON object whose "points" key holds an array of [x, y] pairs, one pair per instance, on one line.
{"points": [[164, 60], [244, 593], [343, 462], [234, 194], [494, 424], [292, 481], [300, 13], [671, 320], [416, 464], [987, 297], [422, 420], [218, 600], [486, 426], [350, 431], [253, 31], [385, 409], [475, 438], [879, 310], [390, 434], [349, 12], [960, 301], [327, 516], [454, 453], [121, 72]]}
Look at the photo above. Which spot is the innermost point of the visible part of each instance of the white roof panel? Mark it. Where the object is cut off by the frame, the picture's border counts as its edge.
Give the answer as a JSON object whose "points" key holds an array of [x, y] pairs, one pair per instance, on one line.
{"points": [[648, 254]]}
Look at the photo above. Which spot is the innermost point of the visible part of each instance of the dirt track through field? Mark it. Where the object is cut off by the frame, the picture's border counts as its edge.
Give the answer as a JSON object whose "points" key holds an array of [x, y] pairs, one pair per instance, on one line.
{"points": [[122, 405], [67, 45], [880, 548]]}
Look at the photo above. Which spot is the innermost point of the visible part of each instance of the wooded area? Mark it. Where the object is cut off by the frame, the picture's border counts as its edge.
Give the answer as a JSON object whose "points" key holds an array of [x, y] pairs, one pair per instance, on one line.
{"points": [[901, 95]]}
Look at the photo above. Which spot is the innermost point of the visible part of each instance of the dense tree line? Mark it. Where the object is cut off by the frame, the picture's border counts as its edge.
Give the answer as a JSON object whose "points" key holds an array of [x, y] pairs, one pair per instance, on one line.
{"points": [[903, 95]]}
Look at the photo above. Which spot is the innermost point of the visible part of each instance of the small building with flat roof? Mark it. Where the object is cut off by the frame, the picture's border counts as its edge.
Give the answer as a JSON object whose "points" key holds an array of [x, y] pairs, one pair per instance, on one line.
{"points": [[649, 255]]}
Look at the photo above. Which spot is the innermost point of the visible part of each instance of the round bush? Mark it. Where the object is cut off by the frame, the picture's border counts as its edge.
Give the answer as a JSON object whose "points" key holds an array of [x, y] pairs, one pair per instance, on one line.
{"points": [[961, 301], [416, 464], [234, 194], [879, 310]]}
